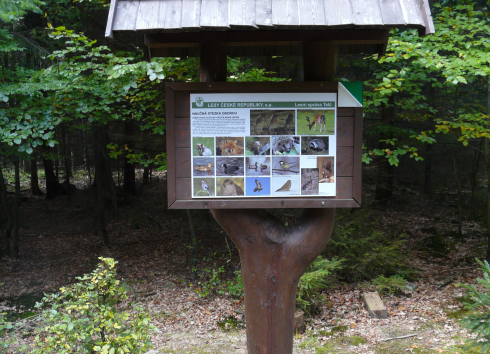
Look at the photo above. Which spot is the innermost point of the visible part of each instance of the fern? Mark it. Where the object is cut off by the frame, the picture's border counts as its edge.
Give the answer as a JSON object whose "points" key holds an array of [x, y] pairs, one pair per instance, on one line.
{"points": [[317, 277], [479, 303]]}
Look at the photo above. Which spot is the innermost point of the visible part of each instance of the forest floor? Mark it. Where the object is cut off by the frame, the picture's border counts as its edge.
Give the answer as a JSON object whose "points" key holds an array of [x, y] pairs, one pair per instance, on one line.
{"points": [[150, 243]]}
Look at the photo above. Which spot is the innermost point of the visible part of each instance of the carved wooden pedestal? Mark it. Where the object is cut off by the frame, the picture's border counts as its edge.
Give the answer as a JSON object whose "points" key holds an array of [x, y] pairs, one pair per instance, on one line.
{"points": [[273, 258]]}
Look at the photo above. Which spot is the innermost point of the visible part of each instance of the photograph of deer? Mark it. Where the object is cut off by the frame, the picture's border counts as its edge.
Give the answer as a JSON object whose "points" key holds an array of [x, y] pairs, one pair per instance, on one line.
{"points": [[271, 122], [316, 122]]}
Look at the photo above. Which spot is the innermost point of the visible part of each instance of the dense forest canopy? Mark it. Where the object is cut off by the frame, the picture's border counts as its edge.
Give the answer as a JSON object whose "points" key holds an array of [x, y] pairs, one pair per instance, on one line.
{"points": [[63, 83]]}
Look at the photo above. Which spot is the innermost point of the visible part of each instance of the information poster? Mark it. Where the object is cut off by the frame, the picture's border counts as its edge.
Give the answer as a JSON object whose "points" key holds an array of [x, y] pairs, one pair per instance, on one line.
{"points": [[263, 145]]}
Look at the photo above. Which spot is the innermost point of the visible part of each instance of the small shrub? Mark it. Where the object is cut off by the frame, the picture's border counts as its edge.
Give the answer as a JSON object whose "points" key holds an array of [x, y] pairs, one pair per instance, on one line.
{"points": [[209, 281], [478, 302], [87, 317], [235, 286], [389, 286]]}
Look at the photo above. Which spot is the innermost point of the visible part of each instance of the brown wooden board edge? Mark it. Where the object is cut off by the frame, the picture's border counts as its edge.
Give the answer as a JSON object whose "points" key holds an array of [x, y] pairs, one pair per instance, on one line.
{"points": [[169, 111], [357, 175], [260, 87], [270, 203], [329, 202], [272, 37]]}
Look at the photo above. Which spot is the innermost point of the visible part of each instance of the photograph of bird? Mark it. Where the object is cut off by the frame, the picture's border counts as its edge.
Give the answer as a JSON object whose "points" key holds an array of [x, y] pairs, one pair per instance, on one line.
{"points": [[308, 186], [286, 187], [285, 165], [259, 120], [253, 167], [289, 121], [259, 186], [272, 120], [230, 188], [262, 167], [206, 188], [204, 167], [229, 169]]}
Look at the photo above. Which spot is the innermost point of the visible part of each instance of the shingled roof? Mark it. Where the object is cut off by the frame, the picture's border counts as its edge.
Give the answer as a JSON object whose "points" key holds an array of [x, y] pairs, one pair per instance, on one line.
{"points": [[224, 15]]}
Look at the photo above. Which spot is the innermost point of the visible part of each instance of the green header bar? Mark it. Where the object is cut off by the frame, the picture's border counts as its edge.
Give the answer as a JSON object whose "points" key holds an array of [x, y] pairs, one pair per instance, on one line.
{"points": [[206, 105]]}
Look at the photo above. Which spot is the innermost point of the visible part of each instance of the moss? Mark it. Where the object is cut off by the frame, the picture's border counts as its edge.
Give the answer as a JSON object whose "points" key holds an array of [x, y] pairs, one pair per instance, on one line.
{"points": [[355, 340], [230, 323], [309, 343], [334, 330], [459, 314]]}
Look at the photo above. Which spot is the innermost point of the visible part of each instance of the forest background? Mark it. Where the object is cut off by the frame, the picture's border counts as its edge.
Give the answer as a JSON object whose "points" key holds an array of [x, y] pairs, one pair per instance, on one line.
{"points": [[73, 103]]}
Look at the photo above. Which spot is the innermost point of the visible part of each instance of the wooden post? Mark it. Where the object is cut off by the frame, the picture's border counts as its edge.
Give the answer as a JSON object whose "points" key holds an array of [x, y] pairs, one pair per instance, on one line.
{"points": [[273, 257], [319, 59], [213, 61]]}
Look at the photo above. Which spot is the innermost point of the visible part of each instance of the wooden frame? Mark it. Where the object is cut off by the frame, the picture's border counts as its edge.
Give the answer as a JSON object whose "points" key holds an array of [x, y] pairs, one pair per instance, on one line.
{"points": [[349, 149]]}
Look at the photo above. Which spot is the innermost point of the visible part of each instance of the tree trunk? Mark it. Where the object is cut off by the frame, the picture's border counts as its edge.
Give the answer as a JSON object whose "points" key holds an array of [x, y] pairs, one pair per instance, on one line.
{"points": [[35, 190], [112, 184], [273, 258], [52, 184], [7, 230], [14, 251], [473, 179], [460, 202], [129, 168], [87, 158], [76, 146], [428, 190], [146, 174], [100, 189], [67, 163], [193, 247], [384, 178]]}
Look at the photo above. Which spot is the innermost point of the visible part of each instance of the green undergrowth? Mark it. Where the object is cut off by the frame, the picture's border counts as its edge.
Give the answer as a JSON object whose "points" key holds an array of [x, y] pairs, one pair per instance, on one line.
{"points": [[391, 285], [366, 252]]}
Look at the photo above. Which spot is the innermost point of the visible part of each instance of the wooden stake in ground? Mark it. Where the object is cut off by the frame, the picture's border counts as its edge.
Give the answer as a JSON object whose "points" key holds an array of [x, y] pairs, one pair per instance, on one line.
{"points": [[273, 258]]}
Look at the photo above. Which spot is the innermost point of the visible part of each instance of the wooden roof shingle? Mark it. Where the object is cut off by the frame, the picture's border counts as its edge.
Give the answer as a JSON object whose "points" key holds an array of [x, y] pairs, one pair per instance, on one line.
{"points": [[222, 15]]}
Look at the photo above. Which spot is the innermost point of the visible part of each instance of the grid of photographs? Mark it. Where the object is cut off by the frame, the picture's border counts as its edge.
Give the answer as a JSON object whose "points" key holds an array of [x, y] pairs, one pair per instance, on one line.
{"points": [[288, 153]]}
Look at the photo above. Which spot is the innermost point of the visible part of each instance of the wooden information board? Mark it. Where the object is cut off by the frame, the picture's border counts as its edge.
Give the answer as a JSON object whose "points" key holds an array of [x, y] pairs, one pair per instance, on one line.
{"points": [[267, 145]]}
